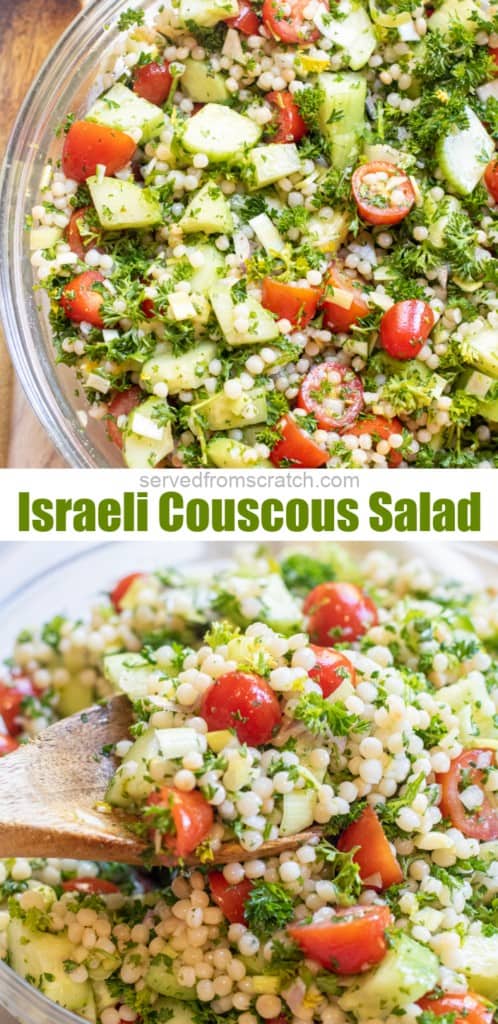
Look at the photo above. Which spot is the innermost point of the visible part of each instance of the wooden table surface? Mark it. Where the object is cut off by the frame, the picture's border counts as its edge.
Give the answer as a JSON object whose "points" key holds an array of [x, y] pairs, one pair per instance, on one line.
{"points": [[28, 30]]}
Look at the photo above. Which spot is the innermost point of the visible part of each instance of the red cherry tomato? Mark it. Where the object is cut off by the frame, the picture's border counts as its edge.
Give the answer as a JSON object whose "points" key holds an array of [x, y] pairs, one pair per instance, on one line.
{"points": [[468, 1007], [405, 327], [80, 301], [230, 898], [352, 941], [331, 669], [491, 179], [374, 855], [122, 587], [340, 318], [470, 769], [296, 448], [88, 144], [292, 27], [244, 702], [292, 302], [290, 125], [11, 699], [153, 82], [334, 394], [380, 429], [386, 197], [493, 53], [121, 404], [192, 818], [78, 242], [339, 613], [90, 885], [246, 21]]}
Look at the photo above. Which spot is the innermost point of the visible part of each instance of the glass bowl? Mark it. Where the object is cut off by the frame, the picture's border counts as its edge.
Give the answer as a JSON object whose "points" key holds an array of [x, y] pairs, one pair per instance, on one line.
{"points": [[65, 82], [66, 578]]}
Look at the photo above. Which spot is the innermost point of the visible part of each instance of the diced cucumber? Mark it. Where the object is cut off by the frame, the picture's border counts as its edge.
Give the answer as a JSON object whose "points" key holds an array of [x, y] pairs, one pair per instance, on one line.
{"points": [[40, 957], [208, 211], [383, 152], [348, 26], [452, 11], [262, 326], [266, 233], [463, 154], [220, 132], [210, 271], [489, 410], [328, 233], [298, 811], [102, 964], [218, 739], [342, 114], [160, 978], [121, 108], [174, 1011], [202, 84], [438, 215], [473, 708], [476, 384], [177, 742], [222, 413], [207, 12], [408, 971], [184, 372], [123, 204], [147, 438], [480, 957], [103, 996], [280, 609], [124, 790], [129, 673], [272, 162], [239, 773], [74, 697], [44, 238], [480, 349], [228, 454]]}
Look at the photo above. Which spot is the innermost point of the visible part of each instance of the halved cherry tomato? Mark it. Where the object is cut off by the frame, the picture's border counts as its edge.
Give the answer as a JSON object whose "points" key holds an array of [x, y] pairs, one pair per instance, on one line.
{"points": [[405, 327], [382, 192], [338, 317], [153, 82], [296, 448], [491, 179], [121, 404], [493, 53], [374, 855], [352, 941], [331, 669], [334, 394], [122, 587], [246, 21], [339, 613], [471, 767], [380, 429], [292, 27], [192, 818], [90, 885], [80, 301], [88, 144], [290, 125], [78, 242], [11, 699], [243, 702], [468, 1007], [7, 744], [231, 898], [148, 309], [292, 302]]}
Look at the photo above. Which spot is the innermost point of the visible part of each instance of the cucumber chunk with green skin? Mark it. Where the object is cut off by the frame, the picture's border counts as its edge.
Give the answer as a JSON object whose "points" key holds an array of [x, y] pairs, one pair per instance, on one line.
{"points": [[438, 215], [184, 372], [480, 349], [474, 710], [220, 132], [161, 979], [121, 108], [406, 973], [223, 413], [126, 790], [208, 211], [123, 204], [202, 84], [44, 238], [341, 115], [174, 1011], [128, 673], [226, 453], [463, 154], [207, 12], [40, 957], [349, 27], [452, 11], [147, 440], [477, 384], [328, 233], [262, 326], [273, 162], [480, 957], [74, 697], [211, 270]]}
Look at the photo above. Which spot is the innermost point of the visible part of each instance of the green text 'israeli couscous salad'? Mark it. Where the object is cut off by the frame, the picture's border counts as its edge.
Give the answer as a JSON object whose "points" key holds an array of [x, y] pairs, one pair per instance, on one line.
{"points": [[269, 698], [270, 240]]}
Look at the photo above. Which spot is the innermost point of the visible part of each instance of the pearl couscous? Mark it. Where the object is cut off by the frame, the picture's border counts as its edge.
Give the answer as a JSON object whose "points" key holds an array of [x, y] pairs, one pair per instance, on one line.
{"points": [[354, 705], [271, 239]]}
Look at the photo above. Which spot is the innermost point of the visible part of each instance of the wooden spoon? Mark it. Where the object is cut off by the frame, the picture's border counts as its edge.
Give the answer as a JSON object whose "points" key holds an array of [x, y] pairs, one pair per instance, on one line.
{"points": [[52, 796]]}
